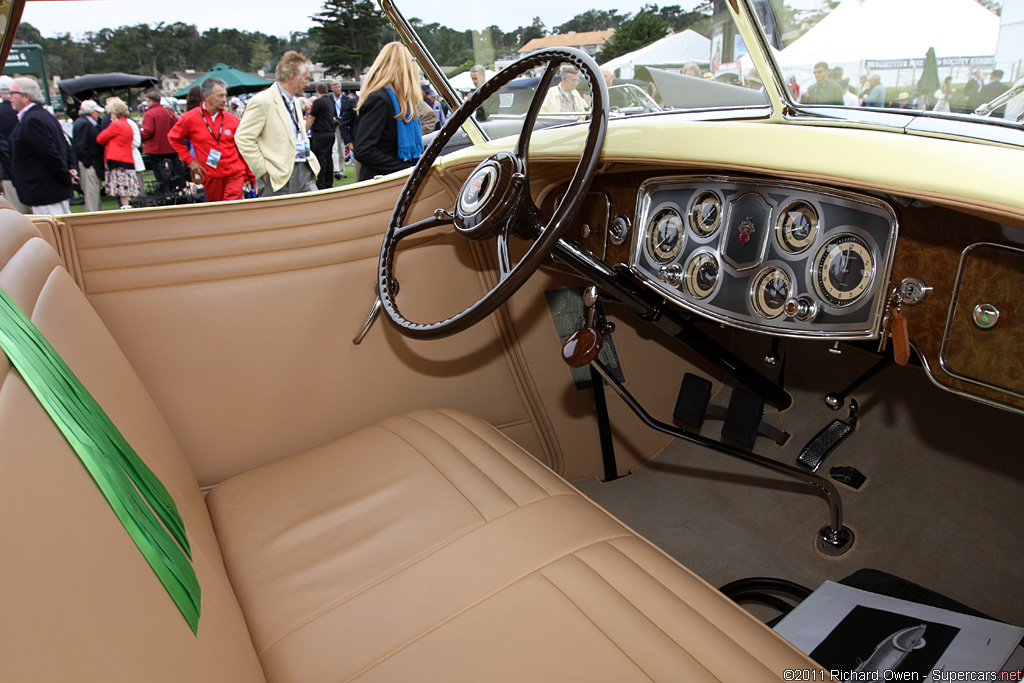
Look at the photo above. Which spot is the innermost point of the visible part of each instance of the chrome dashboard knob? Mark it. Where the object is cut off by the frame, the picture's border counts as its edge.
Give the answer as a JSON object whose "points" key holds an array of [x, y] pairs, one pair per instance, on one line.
{"points": [[801, 308], [671, 274]]}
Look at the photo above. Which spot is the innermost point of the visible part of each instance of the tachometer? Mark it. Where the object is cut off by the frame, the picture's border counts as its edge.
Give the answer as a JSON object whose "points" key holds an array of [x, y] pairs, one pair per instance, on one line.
{"points": [[769, 292], [706, 214], [796, 227], [843, 269], [701, 275], [665, 235]]}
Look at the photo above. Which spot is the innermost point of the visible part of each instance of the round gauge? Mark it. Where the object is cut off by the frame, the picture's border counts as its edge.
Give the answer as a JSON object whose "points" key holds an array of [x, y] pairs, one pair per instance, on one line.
{"points": [[843, 269], [665, 235], [770, 291], [701, 275], [796, 227], [706, 214]]}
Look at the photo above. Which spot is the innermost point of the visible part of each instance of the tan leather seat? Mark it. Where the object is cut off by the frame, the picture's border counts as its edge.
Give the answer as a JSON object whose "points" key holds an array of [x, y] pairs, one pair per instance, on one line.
{"points": [[425, 547]]}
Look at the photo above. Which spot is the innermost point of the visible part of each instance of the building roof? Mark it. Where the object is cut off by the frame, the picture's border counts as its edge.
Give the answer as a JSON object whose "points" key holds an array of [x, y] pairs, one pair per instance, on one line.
{"points": [[572, 39]]}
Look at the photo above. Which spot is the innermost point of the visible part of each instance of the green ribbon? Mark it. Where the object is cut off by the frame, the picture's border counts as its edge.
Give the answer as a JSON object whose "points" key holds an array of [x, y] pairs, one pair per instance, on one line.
{"points": [[136, 495]]}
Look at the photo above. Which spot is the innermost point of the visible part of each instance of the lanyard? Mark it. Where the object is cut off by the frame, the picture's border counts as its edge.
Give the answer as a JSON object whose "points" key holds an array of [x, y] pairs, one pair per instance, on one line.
{"points": [[291, 110], [202, 114]]}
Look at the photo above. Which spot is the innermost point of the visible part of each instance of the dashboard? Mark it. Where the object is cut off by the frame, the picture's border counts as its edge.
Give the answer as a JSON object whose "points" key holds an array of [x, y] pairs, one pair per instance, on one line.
{"points": [[772, 256]]}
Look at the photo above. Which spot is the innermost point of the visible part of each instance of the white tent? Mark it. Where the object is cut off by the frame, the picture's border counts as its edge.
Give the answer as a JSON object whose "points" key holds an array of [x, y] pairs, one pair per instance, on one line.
{"points": [[671, 51], [860, 30]]}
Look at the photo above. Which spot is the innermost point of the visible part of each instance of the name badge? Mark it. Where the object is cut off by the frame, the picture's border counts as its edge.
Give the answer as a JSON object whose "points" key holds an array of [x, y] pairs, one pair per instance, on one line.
{"points": [[213, 159]]}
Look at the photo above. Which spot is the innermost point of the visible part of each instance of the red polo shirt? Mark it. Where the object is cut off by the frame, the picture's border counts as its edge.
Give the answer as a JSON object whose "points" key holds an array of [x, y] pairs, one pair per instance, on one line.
{"points": [[207, 133]]}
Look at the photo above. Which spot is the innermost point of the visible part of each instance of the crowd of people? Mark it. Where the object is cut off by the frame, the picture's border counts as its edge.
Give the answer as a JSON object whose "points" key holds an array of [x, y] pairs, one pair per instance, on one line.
{"points": [[276, 142]]}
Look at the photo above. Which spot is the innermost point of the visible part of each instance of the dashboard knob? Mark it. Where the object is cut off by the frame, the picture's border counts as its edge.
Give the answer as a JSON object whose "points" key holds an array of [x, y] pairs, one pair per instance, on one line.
{"points": [[801, 308], [671, 275]]}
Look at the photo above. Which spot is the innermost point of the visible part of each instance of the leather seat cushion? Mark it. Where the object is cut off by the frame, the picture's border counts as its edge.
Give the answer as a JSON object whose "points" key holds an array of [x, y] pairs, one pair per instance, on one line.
{"points": [[429, 546]]}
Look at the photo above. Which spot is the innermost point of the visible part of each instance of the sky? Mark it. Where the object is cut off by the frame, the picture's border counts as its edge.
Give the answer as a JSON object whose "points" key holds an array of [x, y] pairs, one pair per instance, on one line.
{"points": [[281, 17]]}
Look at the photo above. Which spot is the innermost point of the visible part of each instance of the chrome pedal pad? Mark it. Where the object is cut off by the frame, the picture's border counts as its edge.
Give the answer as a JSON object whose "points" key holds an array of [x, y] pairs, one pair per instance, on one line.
{"points": [[825, 441]]}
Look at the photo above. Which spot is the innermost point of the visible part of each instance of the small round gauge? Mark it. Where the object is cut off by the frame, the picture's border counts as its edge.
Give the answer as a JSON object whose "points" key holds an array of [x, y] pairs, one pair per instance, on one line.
{"points": [[796, 227], [701, 275], [706, 214], [769, 292], [665, 235], [843, 269]]}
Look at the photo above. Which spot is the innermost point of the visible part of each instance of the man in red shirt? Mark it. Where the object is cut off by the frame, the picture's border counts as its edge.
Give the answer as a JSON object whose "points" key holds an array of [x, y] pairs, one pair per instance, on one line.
{"points": [[214, 160]]}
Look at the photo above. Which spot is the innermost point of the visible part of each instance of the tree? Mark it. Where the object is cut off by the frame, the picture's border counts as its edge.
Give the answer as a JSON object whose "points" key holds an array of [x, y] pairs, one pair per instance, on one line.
{"points": [[349, 35], [259, 54], [592, 20], [641, 30]]}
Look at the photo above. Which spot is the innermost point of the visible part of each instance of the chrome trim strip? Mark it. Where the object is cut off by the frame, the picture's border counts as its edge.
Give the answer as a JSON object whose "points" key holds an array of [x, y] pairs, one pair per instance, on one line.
{"points": [[930, 374]]}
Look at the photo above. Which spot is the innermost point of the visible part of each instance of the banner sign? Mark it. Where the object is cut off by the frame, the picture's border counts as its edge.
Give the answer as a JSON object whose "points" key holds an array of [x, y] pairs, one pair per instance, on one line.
{"points": [[872, 64]]}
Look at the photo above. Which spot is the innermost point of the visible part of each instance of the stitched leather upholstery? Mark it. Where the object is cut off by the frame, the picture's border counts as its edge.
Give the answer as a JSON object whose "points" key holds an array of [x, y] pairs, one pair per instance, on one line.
{"points": [[425, 547]]}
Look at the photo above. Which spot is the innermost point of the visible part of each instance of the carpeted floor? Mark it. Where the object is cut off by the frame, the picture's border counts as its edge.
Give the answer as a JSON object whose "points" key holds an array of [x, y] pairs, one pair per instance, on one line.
{"points": [[941, 507]]}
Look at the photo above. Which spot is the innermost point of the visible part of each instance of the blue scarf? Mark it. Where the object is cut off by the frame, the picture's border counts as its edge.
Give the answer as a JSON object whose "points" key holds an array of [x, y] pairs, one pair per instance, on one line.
{"points": [[410, 135]]}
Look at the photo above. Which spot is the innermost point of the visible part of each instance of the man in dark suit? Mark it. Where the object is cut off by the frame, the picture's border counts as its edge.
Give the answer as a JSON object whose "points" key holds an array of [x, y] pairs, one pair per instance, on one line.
{"points": [[993, 89], [89, 153], [972, 92], [348, 125], [42, 160], [8, 120]]}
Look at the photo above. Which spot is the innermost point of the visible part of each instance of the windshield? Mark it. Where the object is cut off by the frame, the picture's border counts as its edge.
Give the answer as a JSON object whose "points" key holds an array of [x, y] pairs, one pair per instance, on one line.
{"points": [[937, 56], [944, 57], [654, 58]]}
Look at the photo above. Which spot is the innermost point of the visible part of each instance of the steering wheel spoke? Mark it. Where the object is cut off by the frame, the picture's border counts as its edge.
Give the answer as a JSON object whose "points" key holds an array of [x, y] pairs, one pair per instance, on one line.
{"points": [[523, 144], [439, 218], [495, 199]]}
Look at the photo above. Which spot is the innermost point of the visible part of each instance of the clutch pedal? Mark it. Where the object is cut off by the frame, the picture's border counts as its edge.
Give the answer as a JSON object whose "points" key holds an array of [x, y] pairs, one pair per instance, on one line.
{"points": [[818, 448]]}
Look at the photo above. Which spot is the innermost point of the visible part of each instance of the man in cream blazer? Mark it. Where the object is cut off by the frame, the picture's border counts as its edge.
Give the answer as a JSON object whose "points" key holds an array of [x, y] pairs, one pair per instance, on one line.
{"points": [[564, 97], [272, 136]]}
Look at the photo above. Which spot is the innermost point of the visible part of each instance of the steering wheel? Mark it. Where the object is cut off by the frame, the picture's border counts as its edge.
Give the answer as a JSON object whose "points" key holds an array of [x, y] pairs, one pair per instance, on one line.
{"points": [[495, 200]]}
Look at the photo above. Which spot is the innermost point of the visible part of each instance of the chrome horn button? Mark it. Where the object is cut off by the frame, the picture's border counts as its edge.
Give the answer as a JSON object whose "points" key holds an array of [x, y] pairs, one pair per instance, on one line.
{"points": [[485, 200]]}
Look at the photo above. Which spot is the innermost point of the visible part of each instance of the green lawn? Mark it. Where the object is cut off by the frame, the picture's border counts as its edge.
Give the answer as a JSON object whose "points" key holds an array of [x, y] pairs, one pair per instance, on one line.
{"points": [[112, 203]]}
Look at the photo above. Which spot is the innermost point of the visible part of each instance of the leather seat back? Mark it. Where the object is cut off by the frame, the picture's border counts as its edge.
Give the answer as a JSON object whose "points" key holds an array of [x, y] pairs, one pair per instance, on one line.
{"points": [[80, 601]]}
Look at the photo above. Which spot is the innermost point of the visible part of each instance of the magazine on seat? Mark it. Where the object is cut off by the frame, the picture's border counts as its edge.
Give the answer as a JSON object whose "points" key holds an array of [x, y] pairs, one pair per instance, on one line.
{"points": [[856, 635]]}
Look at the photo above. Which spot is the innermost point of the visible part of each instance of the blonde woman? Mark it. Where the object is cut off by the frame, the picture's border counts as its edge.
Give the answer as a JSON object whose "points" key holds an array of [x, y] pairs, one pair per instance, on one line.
{"points": [[122, 181], [389, 137]]}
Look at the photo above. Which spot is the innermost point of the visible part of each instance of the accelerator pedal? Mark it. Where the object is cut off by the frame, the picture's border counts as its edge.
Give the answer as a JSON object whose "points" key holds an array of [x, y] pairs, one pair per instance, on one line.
{"points": [[825, 441]]}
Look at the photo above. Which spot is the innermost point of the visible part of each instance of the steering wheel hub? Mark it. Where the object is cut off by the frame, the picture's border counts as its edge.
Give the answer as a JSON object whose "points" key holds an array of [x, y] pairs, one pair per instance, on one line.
{"points": [[492, 190]]}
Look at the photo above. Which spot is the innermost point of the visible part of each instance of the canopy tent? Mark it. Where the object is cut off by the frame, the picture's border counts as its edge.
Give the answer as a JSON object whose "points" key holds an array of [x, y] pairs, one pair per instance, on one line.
{"points": [[669, 52], [238, 82], [74, 90], [878, 30]]}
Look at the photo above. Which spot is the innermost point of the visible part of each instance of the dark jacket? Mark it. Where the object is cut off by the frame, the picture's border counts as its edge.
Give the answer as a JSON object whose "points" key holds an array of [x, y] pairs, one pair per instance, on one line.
{"points": [[41, 159], [8, 118], [348, 122], [83, 141], [376, 147]]}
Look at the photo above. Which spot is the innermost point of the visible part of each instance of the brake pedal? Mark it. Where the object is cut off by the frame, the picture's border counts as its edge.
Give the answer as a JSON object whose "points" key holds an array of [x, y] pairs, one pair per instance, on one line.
{"points": [[825, 441]]}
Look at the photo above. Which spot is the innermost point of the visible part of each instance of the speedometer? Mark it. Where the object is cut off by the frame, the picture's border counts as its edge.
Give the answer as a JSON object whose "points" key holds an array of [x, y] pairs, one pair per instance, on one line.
{"points": [[665, 235], [843, 269]]}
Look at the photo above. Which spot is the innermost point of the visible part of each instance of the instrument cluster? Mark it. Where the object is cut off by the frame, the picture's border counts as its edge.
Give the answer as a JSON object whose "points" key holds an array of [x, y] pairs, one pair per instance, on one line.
{"points": [[773, 256]]}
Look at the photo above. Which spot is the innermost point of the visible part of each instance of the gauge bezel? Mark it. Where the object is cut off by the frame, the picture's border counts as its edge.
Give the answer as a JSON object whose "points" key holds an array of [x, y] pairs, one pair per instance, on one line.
{"points": [[688, 277], [780, 228], [756, 286], [702, 232], [652, 251], [816, 268]]}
